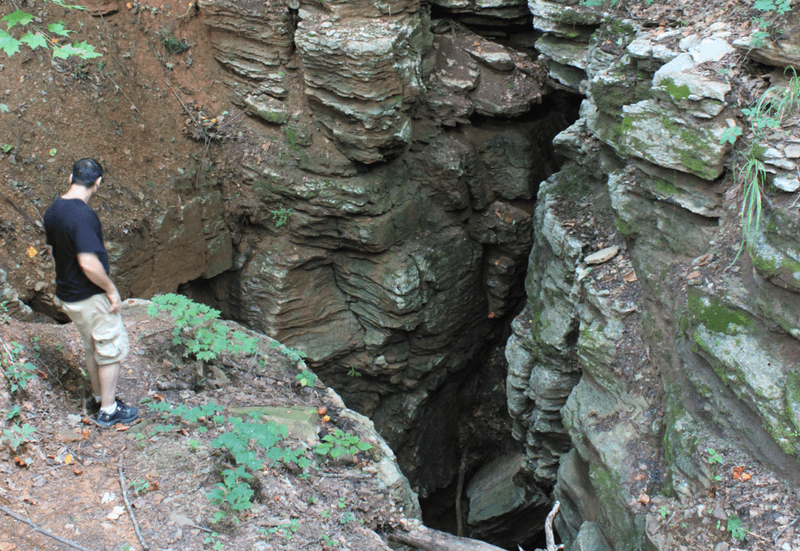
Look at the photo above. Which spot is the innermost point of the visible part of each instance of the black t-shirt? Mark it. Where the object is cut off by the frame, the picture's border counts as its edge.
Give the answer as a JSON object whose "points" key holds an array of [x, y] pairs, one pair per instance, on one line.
{"points": [[72, 228]]}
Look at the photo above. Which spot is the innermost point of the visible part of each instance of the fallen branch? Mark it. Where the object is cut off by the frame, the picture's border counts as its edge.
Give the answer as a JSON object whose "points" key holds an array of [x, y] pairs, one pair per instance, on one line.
{"points": [[548, 529], [433, 540], [782, 530], [128, 505], [133, 106], [42, 530], [22, 212]]}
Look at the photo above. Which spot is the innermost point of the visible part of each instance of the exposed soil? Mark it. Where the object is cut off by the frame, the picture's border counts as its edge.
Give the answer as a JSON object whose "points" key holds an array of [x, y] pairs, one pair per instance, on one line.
{"points": [[67, 478]]}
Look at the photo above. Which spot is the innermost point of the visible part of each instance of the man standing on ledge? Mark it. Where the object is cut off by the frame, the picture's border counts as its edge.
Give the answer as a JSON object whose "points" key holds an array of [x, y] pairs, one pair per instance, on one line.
{"points": [[86, 293]]}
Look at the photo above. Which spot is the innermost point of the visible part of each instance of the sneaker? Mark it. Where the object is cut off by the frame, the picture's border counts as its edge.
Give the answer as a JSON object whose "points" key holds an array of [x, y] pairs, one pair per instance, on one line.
{"points": [[124, 415]]}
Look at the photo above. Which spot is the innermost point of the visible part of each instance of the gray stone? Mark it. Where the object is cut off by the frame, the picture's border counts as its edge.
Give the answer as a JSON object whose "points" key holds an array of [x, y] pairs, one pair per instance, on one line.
{"points": [[492, 491], [268, 109], [602, 256], [787, 182]]}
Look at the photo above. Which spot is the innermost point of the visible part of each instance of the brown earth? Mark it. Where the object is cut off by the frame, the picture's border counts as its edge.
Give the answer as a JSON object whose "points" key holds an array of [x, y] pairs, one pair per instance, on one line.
{"points": [[67, 478]]}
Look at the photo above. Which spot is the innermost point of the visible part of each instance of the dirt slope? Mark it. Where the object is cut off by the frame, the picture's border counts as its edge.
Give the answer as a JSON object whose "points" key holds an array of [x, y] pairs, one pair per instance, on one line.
{"points": [[66, 478]]}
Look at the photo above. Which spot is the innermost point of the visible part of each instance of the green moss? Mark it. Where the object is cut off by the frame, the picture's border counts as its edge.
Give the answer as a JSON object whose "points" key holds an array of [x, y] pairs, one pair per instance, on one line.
{"points": [[792, 398], [623, 227], [677, 92], [715, 316], [615, 516], [697, 165], [775, 266], [662, 186]]}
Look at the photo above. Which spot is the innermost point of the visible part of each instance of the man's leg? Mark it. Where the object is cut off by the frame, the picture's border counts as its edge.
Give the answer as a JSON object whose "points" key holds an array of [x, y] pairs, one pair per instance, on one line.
{"points": [[108, 375], [92, 371]]}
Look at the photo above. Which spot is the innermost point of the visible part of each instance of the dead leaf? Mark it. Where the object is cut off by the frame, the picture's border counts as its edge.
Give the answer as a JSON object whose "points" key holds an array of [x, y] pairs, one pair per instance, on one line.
{"points": [[121, 428], [644, 499], [746, 477], [68, 460], [737, 472], [115, 513], [693, 275], [77, 472], [630, 277]]}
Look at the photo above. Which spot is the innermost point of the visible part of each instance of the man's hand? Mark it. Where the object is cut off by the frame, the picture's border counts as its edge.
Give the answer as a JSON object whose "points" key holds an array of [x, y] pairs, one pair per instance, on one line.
{"points": [[94, 270], [116, 302]]}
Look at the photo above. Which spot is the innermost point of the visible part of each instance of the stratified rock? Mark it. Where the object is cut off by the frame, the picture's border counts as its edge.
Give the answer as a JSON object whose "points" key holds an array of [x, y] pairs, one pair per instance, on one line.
{"points": [[487, 12], [670, 138], [270, 294], [176, 244], [362, 73], [472, 74], [564, 19], [251, 39]]}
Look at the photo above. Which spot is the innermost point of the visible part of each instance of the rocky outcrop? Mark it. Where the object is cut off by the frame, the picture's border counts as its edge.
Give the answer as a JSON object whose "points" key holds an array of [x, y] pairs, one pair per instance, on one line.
{"points": [[389, 211], [618, 369]]}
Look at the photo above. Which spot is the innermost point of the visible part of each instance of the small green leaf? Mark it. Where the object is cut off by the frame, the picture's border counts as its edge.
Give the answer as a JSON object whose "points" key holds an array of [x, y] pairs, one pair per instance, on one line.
{"points": [[34, 40], [86, 50], [8, 43], [58, 28], [18, 17]]}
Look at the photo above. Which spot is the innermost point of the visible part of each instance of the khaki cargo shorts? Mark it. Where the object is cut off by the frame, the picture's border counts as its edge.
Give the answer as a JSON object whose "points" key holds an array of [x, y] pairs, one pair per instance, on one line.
{"points": [[103, 334]]}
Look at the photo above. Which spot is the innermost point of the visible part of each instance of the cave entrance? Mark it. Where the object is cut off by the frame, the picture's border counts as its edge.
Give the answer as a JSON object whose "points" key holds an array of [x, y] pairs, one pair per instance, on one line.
{"points": [[459, 451]]}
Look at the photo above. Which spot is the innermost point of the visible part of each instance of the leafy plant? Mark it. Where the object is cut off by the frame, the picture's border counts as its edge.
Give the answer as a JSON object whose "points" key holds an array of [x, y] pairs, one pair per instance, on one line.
{"points": [[306, 378], [771, 10], [213, 541], [730, 135], [140, 487], [17, 434], [735, 528], [286, 530], [347, 518], [250, 444], [772, 110], [663, 511], [33, 36], [714, 456], [328, 543], [17, 371], [340, 443], [6, 148], [197, 328], [172, 44], [280, 216], [233, 491], [291, 353]]}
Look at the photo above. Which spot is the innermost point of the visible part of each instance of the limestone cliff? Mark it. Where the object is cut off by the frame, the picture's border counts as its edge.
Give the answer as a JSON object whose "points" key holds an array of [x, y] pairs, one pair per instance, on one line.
{"points": [[621, 370]]}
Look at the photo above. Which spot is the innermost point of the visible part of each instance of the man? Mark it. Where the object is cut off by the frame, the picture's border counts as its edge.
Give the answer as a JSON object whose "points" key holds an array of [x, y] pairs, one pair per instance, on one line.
{"points": [[86, 293]]}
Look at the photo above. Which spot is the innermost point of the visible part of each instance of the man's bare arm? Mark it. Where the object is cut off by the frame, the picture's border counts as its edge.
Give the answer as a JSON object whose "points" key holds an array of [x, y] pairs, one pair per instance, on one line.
{"points": [[94, 270]]}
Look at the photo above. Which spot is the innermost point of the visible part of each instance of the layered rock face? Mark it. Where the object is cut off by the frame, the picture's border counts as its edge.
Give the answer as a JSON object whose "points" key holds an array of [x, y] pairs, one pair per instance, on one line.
{"points": [[640, 339], [389, 215]]}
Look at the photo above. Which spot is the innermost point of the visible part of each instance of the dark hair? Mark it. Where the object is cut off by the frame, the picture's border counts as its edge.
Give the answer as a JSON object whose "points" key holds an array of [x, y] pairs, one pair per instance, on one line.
{"points": [[86, 172]]}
